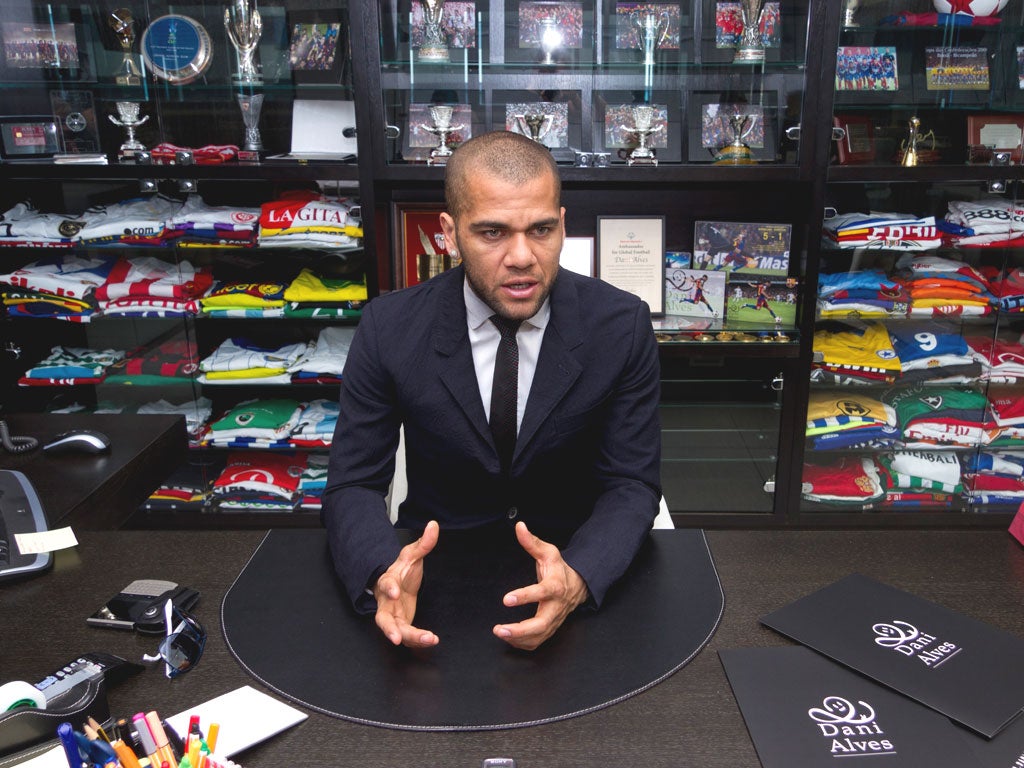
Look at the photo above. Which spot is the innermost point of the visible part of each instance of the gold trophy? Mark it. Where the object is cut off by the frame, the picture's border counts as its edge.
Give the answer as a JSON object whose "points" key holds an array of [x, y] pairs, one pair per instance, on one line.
{"points": [[751, 48], [909, 148], [434, 48], [737, 152], [244, 26], [123, 24]]}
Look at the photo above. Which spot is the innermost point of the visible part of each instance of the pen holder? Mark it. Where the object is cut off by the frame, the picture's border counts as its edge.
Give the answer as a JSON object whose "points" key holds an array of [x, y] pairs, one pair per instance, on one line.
{"points": [[25, 726]]}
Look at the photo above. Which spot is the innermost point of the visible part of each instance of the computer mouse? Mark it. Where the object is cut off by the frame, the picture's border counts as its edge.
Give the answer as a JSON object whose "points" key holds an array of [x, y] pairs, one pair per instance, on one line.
{"points": [[78, 441]]}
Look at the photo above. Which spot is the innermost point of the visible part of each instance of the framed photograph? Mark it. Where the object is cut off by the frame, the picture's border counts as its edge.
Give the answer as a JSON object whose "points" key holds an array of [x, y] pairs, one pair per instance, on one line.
{"points": [[549, 119], [736, 246], [421, 248], [458, 24], [613, 118], [694, 292], [999, 133], [710, 126], [858, 142], [762, 300], [631, 256], [317, 42], [550, 33], [866, 68], [626, 28], [956, 69], [729, 25], [28, 138], [46, 50], [417, 138]]}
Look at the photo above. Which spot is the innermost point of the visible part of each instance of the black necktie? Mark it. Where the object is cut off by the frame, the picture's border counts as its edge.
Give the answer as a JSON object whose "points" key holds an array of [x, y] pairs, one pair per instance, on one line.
{"points": [[504, 391]]}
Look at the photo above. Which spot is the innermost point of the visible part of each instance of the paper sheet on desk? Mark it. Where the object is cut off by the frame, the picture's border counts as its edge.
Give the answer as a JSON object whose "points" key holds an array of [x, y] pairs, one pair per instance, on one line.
{"points": [[45, 541], [246, 717]]}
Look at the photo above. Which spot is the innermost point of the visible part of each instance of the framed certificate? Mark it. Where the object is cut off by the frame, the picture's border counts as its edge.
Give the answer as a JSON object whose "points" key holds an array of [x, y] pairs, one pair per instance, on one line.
{"points": [[858, 142], [631, 256], [28, 138], [1000, 133]]}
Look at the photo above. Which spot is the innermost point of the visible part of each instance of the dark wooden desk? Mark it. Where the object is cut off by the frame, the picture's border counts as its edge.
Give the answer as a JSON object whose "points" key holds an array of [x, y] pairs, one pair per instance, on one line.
{"points": [[103, 490], [691, 719]]}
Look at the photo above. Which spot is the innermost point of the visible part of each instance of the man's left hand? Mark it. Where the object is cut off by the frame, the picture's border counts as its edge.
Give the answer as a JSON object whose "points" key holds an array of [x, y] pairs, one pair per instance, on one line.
{"points": [[558, 591]]}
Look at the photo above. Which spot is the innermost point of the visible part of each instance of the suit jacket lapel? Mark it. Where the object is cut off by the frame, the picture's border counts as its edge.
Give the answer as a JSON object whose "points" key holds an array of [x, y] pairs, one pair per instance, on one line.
{"points": [[451, 342], [557, 367]]}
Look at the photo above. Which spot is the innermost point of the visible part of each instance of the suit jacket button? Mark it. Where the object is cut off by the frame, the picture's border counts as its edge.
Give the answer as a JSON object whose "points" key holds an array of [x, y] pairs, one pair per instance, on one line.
{"points": [[512, 513]]}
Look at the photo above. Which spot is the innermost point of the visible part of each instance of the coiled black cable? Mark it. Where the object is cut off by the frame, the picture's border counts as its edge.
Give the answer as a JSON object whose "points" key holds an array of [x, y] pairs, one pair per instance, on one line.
{"points": [[16, 444]]}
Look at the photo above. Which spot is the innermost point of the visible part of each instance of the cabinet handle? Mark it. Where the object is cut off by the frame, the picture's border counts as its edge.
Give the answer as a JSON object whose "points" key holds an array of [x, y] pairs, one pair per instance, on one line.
{"points": [[838, 134], [392, 131], [777, 383], [769, 486], [793, 133]]}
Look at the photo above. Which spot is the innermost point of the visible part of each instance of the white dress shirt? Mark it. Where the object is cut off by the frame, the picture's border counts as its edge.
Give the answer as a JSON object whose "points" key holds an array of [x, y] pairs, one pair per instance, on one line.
{"points": [[484, 337]]}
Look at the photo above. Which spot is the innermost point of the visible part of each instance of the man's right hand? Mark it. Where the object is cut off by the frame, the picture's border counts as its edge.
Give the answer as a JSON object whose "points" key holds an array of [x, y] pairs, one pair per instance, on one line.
{"points": [[397, 589]]}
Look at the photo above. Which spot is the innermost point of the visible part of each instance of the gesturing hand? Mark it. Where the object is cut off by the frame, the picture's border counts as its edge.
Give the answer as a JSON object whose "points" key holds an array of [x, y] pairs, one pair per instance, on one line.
{"points": [[397, 589], [558, 591]]}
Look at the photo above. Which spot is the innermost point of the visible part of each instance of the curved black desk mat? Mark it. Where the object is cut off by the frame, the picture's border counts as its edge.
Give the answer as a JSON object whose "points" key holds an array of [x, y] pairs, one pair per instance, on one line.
{"points": [[290, 625]]}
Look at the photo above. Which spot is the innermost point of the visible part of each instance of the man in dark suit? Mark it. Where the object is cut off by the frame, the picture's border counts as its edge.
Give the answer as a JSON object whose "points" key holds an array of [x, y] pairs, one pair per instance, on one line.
{"points": [[577, 472]]}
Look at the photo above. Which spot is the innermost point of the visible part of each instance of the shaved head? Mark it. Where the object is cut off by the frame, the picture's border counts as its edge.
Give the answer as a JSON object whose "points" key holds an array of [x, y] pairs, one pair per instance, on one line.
{"points": [[510, 157]]}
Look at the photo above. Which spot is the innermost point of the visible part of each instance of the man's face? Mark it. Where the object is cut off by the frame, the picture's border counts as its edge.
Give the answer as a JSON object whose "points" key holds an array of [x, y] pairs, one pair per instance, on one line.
{"points": [[509, 238]]}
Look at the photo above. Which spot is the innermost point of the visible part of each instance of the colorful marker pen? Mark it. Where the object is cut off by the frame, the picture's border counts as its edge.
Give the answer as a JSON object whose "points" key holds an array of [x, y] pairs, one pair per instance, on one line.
{"points": [[66, 734], [148, 744], [163, 748]]}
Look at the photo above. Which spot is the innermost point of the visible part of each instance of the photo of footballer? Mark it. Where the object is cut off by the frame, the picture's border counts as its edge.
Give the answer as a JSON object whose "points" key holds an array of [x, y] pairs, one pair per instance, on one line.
{"points": [[694, 292], [761, 300], [732, 246]]}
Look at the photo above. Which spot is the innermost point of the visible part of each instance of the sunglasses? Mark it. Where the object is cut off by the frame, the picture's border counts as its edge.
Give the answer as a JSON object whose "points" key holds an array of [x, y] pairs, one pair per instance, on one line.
{"points": [[183, 646]]}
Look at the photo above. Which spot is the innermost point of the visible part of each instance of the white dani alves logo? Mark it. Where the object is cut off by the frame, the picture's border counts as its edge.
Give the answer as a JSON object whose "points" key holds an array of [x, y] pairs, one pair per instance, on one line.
{"points": [[905, 638], [850, 728]]}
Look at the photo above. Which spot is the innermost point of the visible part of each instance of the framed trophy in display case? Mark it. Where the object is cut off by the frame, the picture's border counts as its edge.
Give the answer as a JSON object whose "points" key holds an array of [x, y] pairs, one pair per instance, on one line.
{"points": [[431, 130], [177, 49], [857, 144], [421, 248], [74, 113], [647, 33], [615, 129], [552, 118], [998, 134], [549, 33], [726, 131]]}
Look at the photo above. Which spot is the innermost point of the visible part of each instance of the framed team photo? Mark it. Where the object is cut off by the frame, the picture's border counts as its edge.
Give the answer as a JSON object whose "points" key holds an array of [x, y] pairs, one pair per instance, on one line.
{"points": [[956, 69], [866, 68], [47, 50], [317, 44], [735, 246], [421, 248]]}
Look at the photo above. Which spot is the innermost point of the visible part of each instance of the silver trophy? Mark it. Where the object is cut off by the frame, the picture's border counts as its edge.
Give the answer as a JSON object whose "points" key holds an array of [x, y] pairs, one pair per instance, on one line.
{"points": [[643, 119], [244, 26], [251, 104], [550, 39], [737, 152], [535, 125], [123, 24], [850, 13], [434, 47], [128, 118], [653, 30], [441, 127], [751, 48]]}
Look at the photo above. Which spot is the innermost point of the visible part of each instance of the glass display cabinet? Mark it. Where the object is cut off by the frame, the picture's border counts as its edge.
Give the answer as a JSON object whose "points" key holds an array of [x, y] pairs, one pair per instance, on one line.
{"points": [[911, 415]]}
